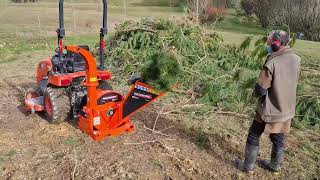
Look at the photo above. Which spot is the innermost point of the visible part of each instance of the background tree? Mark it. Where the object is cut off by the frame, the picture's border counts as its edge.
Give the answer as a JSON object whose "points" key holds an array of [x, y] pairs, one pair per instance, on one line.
{"points": [[206, 11], [247, 7], [297, 15]]}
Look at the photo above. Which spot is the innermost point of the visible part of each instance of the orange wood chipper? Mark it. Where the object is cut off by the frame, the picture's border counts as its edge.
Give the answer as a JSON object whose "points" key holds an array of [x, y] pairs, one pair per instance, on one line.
{"points": [[71, 85]]}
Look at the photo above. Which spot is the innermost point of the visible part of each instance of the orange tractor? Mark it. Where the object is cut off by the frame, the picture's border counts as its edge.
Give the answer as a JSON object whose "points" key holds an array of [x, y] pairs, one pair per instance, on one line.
{"points": [[71, 85]]}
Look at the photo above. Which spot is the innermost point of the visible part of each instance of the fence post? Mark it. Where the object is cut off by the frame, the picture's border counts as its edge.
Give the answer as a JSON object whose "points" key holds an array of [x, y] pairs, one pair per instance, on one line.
{"points": [[197, 12], [125, 9], [39, 26]]}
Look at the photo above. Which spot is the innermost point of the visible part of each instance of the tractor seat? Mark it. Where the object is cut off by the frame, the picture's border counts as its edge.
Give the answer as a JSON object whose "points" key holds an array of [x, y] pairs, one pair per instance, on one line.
{"points": [[73, 62]]}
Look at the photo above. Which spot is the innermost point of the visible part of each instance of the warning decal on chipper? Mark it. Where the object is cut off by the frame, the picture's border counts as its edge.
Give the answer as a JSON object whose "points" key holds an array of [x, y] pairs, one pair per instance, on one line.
{"points": [[112, 98], [142, 95], [109, 97], [142, 88], [138, 97]]}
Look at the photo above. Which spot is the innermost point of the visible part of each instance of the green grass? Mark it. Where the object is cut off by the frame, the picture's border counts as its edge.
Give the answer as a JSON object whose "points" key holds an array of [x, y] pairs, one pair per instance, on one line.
{"points": [[7, 155], [239, 25], [308, 50], [235, 29], [110, 2], [165, 3], [117, 2], [10, 49], [143, 11], [41, 19], [71, 141], [36, 30]]}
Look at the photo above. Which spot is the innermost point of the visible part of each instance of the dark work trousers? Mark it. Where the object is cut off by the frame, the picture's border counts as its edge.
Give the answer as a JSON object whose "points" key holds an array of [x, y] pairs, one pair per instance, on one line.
{"points": [[257, 129]]}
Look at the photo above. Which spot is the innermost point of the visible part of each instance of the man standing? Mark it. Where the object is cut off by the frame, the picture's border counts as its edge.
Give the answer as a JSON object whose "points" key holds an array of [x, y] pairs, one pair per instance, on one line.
{"points": [[276, 89]]}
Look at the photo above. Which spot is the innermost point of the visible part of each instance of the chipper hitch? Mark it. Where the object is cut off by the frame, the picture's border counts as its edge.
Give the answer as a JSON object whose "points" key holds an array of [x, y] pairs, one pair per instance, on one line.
{"points": [[111, 117]]}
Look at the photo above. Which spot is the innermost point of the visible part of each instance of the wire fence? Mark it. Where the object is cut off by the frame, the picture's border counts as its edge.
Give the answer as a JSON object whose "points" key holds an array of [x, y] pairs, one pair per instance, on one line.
{"points": [[41, 19]]}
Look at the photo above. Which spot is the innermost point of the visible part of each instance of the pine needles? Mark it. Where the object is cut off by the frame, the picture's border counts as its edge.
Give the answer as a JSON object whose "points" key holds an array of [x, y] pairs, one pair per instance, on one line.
{"points": [[308, 111], [160, 71], [165, 52]]}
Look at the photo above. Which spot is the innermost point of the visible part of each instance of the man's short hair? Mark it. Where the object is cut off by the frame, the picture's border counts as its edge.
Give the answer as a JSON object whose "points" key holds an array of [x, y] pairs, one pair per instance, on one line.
{"points": [[284, 38]]}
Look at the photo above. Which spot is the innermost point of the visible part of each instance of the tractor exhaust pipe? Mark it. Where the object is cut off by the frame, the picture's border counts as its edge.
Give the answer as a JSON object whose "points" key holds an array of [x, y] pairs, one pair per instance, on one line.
{"points": [[103, 32], [61, 33]]}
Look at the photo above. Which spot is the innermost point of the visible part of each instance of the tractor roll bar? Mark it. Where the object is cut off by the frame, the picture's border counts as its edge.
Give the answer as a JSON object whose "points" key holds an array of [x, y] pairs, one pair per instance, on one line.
{"points": [[61, 14], [103, 32], [61, 33]]}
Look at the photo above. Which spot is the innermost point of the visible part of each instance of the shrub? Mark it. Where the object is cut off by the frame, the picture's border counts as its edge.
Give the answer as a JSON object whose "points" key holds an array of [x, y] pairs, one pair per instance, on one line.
{"points": [[209, 11], [263, 10], [213, 14], [231, 3], [247, 6]]}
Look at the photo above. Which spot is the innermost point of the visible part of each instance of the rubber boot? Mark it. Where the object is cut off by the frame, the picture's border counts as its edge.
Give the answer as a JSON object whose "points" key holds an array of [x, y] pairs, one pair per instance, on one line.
{"points": [[251, 154], [275, 161]]}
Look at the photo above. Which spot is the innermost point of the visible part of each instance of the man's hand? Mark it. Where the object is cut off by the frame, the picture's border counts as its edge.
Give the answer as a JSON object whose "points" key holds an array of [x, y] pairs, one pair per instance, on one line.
{"points": [[264, 82], [260, 91]]}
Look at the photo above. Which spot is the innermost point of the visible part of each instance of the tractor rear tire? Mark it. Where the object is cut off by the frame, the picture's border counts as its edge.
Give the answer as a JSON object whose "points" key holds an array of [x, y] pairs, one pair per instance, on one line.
{"points": [[57, 105], [104, 85]]}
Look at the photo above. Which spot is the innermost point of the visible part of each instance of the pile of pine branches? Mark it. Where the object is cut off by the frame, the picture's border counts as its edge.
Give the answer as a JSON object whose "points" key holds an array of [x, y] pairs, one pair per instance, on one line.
{"points": [[165, 52]]}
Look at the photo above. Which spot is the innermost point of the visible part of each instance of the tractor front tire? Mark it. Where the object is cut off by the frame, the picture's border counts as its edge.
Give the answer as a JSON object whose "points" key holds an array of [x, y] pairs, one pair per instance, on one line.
{"points": [[57, 105]]}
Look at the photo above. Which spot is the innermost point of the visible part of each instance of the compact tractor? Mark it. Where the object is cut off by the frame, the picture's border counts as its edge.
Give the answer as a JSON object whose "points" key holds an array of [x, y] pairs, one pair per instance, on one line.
{"points": [[71, 85]]}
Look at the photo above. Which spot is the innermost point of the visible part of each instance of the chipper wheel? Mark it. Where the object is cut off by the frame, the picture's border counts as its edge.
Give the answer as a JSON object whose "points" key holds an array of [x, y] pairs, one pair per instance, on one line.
{"points": [[56, 104]]}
